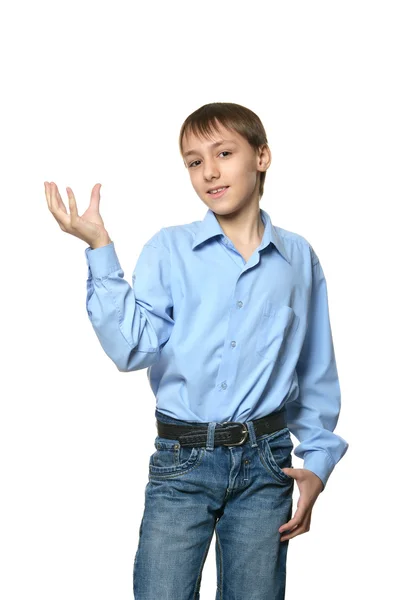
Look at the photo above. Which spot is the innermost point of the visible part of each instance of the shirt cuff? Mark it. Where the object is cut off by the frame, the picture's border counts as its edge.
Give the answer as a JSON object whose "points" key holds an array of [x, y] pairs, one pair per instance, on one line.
{"points": [[320, 463], [102, 261]]}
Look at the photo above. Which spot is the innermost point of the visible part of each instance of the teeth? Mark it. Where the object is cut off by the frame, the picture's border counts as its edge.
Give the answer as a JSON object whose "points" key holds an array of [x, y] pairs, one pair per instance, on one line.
{"points": [[219, 190]]}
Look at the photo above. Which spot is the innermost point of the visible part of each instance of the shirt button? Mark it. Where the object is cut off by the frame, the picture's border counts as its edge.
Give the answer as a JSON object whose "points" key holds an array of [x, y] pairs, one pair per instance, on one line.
{"points": [[224, 385], [234, 344], [239, 304]]}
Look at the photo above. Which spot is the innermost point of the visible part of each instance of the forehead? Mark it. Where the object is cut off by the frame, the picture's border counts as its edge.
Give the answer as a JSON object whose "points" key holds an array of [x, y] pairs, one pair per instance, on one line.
{"points": [[193, 142]]}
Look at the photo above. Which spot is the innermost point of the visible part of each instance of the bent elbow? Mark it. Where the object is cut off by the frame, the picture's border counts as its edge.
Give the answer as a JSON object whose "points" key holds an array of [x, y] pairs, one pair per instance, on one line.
{"points": [[137, 360]]}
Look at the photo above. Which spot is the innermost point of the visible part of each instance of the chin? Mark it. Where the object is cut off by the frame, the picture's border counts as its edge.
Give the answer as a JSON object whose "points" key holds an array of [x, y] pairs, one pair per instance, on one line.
{"points": [[219, 205], [224, 211]]}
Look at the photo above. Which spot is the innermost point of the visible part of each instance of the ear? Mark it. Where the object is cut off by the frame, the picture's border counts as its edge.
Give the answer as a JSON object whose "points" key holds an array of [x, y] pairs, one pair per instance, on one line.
{"points": [[264, 157]]}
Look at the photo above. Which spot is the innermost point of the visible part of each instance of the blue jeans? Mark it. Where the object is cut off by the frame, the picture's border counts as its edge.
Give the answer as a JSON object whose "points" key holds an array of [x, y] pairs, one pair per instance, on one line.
{"points": [[238, 492]]}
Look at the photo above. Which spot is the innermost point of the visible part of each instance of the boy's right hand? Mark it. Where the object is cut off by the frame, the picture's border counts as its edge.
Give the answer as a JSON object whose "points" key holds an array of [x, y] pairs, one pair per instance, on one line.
{"points": [[89, 227]]}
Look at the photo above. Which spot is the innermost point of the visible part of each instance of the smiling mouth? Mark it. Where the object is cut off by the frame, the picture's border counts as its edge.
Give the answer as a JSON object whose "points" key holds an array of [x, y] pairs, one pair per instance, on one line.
{"points": [[219, 193]]}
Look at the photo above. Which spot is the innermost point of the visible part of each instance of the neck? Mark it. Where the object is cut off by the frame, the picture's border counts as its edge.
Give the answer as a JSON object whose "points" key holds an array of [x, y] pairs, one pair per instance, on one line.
{"points": [[244, 227]]}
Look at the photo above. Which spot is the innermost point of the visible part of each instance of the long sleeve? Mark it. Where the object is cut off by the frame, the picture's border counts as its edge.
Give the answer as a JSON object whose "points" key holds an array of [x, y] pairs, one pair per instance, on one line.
{"points": [[313, 416], [131, 322]]}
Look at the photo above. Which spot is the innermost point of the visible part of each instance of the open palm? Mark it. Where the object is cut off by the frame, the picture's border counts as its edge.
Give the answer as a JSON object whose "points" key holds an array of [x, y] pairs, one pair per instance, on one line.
{"points": [[89, 227]]}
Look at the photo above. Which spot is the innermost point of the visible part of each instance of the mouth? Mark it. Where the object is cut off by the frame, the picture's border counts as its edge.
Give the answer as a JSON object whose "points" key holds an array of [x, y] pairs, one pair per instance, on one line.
{"points": [[218, 194]]}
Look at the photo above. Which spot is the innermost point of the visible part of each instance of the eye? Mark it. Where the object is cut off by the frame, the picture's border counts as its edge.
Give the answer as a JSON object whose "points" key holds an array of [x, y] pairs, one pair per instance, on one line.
{"points": [[196, 161]]}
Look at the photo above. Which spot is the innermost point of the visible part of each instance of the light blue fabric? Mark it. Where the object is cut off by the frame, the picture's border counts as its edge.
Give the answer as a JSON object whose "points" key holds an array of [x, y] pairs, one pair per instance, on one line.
{"points": [[225, 339]]}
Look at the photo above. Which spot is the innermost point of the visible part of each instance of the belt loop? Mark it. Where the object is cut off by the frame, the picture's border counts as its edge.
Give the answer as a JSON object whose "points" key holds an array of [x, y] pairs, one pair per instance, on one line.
{"points": [[252, 434], [210, 444]]}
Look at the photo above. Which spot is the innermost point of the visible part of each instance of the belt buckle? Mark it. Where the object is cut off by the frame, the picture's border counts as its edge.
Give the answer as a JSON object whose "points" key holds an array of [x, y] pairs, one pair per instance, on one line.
{"points": [[245, 432]]}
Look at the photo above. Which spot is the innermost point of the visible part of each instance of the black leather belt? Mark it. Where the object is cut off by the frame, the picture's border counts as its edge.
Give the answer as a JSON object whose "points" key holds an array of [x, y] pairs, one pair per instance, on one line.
{"points": [[228, 433]]}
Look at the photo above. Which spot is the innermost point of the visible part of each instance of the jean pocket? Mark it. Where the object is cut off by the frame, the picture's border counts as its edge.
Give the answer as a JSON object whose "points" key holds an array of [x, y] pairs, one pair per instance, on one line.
{"points": [[277, 328], [275, 451], [170, 457]]}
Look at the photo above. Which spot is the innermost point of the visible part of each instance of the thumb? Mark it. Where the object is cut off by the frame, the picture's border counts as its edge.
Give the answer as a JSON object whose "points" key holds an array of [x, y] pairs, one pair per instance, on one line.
{"points": [[95, 197], [289, 471]]}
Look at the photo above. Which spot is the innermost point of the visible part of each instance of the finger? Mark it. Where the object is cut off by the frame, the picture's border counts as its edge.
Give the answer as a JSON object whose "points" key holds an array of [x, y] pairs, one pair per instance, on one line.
{"points": [[289, 525], [292, 534], [46, 191], [290, 472], [72, 205], [49, 195], [60, 217], [61, 205], [95, 197], [296, 520], [53, 199], [290, 528]]}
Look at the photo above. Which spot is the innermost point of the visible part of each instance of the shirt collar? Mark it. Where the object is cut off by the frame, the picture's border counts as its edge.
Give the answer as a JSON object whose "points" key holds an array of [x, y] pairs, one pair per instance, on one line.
{"points": [[209, 227]]}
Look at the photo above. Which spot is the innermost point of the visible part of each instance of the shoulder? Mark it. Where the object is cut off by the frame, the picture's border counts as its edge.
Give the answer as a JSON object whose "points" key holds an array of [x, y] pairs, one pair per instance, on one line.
{"points": [[174, 236], [297, 246]]}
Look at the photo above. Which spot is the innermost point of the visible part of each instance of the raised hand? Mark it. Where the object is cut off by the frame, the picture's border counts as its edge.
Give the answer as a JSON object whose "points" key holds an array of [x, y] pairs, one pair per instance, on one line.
{"points": [[89, 227]]}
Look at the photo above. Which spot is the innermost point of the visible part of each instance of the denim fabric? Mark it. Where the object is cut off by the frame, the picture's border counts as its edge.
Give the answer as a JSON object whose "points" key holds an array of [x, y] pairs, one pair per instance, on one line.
{"points": [[240, 492]]}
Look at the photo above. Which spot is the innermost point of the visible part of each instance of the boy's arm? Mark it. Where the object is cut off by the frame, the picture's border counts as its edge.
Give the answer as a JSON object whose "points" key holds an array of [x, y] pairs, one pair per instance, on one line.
{"points": [[313, 416], [131, 322]]}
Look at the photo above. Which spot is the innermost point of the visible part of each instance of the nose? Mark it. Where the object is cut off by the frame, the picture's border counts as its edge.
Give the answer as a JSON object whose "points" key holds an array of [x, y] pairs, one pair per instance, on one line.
{"points": [[210, 171], [211, 179]]}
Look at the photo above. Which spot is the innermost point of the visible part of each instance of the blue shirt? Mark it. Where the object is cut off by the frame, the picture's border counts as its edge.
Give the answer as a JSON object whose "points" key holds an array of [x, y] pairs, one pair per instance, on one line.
{"points": [[224, 339]]}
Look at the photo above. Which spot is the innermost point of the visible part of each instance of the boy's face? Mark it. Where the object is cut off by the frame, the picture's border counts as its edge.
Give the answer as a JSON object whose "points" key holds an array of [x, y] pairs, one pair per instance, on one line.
{"points": [[233, 163]]}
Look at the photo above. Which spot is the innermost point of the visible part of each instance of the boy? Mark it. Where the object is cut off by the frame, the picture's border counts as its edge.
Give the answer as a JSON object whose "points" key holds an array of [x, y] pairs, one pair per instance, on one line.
{"points": [[230, 315]]}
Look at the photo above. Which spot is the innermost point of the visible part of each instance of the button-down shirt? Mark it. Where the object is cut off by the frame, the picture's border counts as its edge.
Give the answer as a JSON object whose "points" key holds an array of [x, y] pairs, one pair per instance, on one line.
{"points": [[225, 339]]}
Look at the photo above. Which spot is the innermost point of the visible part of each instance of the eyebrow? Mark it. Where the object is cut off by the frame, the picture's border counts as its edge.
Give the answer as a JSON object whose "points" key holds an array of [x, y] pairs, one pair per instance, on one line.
{"points": [[214, 145]]}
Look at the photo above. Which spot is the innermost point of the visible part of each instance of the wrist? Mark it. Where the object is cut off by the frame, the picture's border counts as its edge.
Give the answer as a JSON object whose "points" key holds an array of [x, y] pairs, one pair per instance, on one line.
{"points": [[100, 242]]}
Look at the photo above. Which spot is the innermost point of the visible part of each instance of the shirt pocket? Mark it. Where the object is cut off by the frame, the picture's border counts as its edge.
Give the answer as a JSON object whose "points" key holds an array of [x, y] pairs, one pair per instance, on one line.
{"points": [[277, 328]]}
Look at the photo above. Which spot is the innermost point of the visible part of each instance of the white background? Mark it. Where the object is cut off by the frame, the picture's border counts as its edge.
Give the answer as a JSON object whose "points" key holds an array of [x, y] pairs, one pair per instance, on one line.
{"points": [[97, 92]]}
